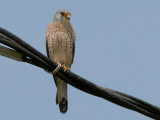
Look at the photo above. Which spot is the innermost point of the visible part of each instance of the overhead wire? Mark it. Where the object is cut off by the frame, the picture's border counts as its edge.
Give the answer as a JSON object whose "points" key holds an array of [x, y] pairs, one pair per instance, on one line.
{"points": [[26, 53]]}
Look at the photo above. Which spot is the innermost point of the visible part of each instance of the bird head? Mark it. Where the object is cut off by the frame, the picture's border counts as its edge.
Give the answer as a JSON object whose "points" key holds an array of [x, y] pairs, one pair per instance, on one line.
{"points": [[62, 16]]}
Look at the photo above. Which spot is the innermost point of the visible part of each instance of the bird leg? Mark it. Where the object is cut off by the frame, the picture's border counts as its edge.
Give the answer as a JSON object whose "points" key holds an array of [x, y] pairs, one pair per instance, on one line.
{"points": [[65, 68]]}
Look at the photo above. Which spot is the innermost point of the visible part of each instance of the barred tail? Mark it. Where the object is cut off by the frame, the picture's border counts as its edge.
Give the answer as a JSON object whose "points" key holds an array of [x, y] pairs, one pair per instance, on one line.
{"points": [[61, 97]]}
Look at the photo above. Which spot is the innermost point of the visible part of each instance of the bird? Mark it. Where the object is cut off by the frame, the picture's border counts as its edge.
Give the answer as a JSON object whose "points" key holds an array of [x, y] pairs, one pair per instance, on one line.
{"points": [[60, 47]]}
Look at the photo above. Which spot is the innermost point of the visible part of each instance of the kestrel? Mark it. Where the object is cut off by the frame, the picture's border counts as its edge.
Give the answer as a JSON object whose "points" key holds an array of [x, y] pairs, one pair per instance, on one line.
{"points": [[60, 45]]}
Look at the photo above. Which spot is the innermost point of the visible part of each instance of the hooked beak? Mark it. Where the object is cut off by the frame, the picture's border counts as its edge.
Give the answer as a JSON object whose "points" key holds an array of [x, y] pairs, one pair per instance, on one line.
{"points": [[67, 16]]}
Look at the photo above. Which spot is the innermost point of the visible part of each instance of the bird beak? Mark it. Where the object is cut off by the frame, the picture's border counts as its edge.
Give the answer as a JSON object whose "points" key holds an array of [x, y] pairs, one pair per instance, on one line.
{"points": [[67, 16]]}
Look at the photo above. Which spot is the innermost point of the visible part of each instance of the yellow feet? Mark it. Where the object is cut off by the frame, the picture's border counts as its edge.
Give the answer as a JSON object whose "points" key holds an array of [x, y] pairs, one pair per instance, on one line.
{"points": [[65, 68]]}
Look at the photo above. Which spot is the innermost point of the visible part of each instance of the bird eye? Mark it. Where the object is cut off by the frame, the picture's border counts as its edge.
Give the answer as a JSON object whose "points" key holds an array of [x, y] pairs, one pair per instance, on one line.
{"points": [[62, 13]]}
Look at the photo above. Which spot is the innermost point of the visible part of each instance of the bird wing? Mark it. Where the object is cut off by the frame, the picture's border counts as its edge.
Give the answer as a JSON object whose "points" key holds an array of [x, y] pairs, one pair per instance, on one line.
{"points": [[47, 47], [73, 39]]}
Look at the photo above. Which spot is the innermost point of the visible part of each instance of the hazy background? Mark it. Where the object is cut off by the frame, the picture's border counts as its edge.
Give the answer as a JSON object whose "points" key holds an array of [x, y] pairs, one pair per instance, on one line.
{"points": [[117, 47]]}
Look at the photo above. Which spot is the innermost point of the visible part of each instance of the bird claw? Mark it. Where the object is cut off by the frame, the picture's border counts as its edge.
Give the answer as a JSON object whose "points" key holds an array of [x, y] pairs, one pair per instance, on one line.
{"points": [[65, 68]]}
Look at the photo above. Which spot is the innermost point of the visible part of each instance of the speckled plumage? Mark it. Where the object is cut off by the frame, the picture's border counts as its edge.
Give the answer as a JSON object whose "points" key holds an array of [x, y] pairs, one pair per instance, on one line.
{"points": [[60, 45]]}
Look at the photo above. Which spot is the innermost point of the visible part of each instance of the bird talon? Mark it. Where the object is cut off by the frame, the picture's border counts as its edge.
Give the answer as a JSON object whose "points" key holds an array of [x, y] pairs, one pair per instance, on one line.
{"points": [[65, 68]]}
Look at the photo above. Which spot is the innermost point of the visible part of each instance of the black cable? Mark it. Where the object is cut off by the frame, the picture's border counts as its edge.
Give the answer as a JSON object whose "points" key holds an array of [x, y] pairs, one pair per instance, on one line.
{"points": [[111, 95], [42, 61], [27, 46], [22, 50], [30, 61]]}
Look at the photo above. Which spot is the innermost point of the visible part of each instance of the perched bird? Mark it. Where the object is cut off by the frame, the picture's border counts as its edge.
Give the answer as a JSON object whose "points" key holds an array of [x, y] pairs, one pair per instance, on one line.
{"points": [[60, 45]]}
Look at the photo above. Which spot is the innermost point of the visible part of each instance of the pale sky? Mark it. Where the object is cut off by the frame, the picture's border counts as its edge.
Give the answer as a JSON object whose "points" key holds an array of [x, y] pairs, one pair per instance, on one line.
{"points": [[117, 47]]}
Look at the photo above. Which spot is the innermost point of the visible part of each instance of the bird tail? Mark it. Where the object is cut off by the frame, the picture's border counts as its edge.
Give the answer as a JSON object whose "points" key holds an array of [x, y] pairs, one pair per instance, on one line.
{"points": [[61, 97]]}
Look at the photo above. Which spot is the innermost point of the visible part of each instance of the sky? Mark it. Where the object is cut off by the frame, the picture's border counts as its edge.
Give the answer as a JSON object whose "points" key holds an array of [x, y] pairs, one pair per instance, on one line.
{"points": [[117, 47]]}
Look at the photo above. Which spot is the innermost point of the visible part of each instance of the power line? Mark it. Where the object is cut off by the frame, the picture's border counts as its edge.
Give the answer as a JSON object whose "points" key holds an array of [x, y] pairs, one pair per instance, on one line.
{"points": [[21, 51]]}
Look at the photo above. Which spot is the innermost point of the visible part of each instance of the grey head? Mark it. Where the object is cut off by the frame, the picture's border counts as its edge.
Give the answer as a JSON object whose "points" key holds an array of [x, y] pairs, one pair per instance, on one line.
{"points": [[62, 16]]}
